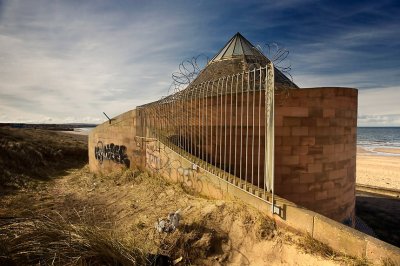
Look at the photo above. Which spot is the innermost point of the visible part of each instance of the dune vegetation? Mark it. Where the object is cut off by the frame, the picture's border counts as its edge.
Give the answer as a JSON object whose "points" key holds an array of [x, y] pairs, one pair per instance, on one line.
{"points": [[54, 211]]}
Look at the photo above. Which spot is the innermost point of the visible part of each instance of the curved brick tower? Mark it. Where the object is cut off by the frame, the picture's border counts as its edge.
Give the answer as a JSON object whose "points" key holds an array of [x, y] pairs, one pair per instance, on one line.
{"points": [[315, 150], [315, 135]]}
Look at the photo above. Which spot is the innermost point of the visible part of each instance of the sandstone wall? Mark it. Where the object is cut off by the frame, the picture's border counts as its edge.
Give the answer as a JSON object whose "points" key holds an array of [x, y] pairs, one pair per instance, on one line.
{"points": [[315, 150]]}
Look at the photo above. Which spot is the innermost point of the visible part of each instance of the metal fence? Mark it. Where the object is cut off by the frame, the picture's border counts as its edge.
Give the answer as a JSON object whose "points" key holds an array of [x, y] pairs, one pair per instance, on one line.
{"points": [[225, 126]]}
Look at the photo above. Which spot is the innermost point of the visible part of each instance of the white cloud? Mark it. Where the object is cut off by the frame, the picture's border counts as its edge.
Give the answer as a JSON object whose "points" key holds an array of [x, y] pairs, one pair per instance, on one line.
{"points": [[379, 120], [379, 101], [72, 61]]}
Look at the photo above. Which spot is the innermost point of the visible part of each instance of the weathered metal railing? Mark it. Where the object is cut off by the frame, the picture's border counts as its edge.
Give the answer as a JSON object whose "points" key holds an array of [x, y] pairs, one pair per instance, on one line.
{"points": [[225, 126]]}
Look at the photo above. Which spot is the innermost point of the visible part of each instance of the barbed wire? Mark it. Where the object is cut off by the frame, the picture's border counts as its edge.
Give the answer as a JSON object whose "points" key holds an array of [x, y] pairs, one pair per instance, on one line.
{"points": [[188, 71], [278, 54]]}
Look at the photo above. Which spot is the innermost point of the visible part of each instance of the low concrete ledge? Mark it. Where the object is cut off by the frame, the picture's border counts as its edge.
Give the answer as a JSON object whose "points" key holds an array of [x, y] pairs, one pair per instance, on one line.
{"points": [[352, 242], [300, 219], [338, 236], [378, 250], [391, 192]]}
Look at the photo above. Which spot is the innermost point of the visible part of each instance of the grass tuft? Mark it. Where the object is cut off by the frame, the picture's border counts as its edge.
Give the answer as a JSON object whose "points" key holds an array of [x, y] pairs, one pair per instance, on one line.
{"points": [[49, 241]]}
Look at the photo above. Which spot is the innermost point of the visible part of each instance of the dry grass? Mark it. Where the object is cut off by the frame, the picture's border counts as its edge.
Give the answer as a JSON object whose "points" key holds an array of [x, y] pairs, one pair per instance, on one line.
{"points": [[312, 246], [388, 262], [27, 155], [49, 241]]}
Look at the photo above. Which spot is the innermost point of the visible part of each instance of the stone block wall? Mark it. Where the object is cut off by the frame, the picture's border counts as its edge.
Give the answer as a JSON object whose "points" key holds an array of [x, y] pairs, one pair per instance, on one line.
{"points": [[114, 145], [315, 150]]}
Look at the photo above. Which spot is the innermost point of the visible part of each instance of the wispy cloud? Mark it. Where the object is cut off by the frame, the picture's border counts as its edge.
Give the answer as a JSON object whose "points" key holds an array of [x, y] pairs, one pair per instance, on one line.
{"points": [[392, 120], [70, 60], [79, 60]]}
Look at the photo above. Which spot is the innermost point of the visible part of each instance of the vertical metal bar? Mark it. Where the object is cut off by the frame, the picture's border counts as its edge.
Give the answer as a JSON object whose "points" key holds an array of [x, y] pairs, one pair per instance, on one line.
{"points": [[241, 132], [216, 128], [247, 124], [204, 148], [168, 120], [266, 185], [199, 125], [165, 108], [259, 130], [230, 127], [154, 122], [161, 120], [210, 154], [191, 123], [222, 163], [150, 123], [181, 121], [194, 115], [187, 122], [195, 122], [211, 124], [201, 142], [173, 123], [206, 124], [178, 113], [225, 122], [253, 126], [272, 133], [236, 123], [201, 116]]}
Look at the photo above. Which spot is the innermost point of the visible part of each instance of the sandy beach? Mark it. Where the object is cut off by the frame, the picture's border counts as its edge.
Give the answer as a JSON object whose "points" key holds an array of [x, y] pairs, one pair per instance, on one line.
{"points": [[379, 167]]}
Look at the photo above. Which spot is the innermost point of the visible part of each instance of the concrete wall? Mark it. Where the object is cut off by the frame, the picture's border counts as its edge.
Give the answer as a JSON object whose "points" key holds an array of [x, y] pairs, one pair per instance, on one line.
{"points": [[113, 145], [128, 150], [315, 150]]}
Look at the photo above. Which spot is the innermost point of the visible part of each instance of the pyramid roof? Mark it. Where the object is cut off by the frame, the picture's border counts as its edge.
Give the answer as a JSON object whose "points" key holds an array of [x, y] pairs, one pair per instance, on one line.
{"points": [[237, 55], [237, 46]]}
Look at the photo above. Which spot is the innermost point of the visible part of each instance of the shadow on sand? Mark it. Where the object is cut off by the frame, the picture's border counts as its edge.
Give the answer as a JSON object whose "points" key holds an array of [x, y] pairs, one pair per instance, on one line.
{"points": [[382, 215]]}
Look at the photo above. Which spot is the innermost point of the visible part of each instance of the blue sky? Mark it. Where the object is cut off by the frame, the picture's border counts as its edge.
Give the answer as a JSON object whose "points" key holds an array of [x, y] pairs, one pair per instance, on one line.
{"points": [[68, 61]]}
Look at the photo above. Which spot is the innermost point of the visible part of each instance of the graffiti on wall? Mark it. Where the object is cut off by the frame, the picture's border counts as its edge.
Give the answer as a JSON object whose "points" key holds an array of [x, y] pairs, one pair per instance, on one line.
{"points": [[158, 160], [190, 178], [111, 152], [139, 147], [153, 156]]}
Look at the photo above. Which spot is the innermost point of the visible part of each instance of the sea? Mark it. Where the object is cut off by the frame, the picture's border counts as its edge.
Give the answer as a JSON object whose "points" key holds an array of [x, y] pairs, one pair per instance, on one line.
{"points": [[370, 138], [83, 130]]}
